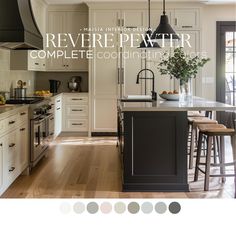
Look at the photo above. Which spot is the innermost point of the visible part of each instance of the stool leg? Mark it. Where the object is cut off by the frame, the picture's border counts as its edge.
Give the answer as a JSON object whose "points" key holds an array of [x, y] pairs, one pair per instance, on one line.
{"points": [[192, 142], [214, 149], [199, 149], [208, 163], [222, 157], [233, 144]]}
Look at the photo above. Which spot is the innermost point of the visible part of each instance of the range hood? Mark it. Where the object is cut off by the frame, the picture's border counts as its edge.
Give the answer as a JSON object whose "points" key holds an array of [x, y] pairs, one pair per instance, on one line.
{"points": [[18, 29]]}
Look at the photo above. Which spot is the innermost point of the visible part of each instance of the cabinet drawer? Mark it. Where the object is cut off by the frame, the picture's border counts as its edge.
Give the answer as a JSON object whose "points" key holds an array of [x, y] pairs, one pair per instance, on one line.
{"points": [[74, 110], [76, 100], [76, 125], [11, 122]]}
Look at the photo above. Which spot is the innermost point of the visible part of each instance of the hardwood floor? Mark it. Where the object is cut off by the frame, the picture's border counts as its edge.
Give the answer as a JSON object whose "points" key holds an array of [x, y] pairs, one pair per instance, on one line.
{"points": [[89, 168]]}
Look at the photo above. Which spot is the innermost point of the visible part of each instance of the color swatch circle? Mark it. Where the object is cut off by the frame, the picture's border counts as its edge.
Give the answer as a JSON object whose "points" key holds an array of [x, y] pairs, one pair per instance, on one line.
{"points": [[133, 207], [160, 207], [174, 208], [92, 207], [106, 207], [120, 207], [147, 207], [79, 207]]}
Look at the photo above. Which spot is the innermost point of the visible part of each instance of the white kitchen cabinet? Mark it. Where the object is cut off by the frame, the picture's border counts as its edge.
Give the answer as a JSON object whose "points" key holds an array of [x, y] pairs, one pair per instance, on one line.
{"points": [[23, 136], [186, 19], [21, 59], [58, 115], [113, 78], [14, 147], [11, 154], [75, 112], [73, 22]]}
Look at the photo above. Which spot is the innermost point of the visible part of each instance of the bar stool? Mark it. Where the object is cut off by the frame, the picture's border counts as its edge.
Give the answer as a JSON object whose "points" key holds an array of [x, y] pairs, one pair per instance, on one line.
{"points": [[211, 131], [193, 122]]}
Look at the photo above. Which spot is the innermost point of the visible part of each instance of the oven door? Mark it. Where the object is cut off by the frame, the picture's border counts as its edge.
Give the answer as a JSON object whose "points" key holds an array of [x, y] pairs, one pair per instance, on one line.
{"points": [[38, 132]]}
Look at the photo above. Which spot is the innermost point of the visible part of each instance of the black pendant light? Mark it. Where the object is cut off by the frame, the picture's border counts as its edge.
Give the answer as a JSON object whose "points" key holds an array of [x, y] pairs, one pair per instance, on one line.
{"points": [[164, 27], [147, 43]]}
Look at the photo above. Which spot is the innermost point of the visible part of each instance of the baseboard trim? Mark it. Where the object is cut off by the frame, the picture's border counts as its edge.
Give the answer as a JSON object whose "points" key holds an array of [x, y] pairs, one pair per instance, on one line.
{"points": [[99, 134]]}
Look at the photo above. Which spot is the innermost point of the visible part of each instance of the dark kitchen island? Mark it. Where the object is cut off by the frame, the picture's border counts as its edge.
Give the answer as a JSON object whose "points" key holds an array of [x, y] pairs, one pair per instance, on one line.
{"points": [[153, 143]]}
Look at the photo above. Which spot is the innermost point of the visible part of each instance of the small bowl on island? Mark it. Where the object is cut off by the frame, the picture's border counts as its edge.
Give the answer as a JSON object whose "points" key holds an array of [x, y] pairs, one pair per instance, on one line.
{"points": [[170, 96]]}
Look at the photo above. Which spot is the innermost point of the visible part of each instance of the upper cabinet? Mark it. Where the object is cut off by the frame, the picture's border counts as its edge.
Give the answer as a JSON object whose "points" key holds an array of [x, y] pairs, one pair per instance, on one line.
{"points": [[188, 19], [67, 22]]}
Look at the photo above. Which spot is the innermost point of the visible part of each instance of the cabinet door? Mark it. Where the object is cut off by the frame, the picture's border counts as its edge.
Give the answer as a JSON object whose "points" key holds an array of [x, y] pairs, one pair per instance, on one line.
{"points": [[23, 159], [134, 22], [56, 22], [186, 19], [104, 77], [11, 154], [75, 24], [1, 164]]}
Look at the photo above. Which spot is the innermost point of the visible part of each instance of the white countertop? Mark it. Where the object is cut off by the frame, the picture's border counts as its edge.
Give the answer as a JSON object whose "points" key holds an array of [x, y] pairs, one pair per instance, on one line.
{"points": [[198, 104]]}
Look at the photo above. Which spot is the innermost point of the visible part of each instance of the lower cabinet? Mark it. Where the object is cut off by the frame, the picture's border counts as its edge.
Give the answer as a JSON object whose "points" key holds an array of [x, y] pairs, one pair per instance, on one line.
{"points": [[14, 148]]}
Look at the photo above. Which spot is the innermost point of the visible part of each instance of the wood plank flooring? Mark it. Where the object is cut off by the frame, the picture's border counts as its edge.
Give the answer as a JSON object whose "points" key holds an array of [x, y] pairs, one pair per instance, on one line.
{"points": [[89, 168]]}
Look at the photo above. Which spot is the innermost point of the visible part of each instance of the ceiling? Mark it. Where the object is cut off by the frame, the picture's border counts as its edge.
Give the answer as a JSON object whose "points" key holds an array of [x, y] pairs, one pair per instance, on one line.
{"points": [[80, 1]]}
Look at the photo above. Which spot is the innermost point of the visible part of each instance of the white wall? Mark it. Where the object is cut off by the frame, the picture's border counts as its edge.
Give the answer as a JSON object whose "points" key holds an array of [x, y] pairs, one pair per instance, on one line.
{"points": [[211, 14], [9, 78]]}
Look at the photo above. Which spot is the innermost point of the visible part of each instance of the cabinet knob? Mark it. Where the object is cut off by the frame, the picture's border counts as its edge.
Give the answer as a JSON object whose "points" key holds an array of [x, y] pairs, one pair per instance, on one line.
{"points": [[22, 129], [23, 113], [1, 144], [11, 122]]}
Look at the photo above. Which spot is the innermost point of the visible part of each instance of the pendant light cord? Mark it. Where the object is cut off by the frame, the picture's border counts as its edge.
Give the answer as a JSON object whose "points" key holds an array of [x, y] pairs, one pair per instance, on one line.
{"points": [[149, 20], [164, 7]]}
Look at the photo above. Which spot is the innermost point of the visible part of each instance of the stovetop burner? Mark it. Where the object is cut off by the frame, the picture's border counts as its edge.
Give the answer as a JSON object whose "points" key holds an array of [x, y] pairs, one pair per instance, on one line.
{"points": [[26, 100]]}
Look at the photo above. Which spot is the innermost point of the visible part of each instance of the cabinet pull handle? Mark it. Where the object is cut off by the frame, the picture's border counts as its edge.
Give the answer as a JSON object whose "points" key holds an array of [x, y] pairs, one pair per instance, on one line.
{"points": [[12, 145], [23, 129], [122, 75], [23, 113], [58, 108], [11, 122], [1, 145], [36, 63], [77, 99], [122, 22], [77, 110], [187, 26], [77, 123], [58, 100], [176, 21], [118, 22], [12, 169], [118, 80], [52, 118]]}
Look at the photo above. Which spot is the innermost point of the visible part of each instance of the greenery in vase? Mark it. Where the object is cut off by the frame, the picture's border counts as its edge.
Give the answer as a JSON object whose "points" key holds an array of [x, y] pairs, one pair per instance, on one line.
{"points": [[181, 66]]}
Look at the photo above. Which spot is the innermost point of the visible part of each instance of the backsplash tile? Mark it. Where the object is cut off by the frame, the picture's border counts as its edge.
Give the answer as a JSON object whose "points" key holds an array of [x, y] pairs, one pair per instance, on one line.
{"points": [[8, 78]]}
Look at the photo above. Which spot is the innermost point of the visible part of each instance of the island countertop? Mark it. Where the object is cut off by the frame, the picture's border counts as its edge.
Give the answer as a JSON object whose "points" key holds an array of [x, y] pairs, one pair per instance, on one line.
{"points": [[198, 104]]}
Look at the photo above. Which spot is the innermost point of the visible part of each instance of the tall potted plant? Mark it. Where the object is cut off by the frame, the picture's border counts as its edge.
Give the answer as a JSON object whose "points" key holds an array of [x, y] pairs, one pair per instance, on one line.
{"points": [[182, 67]]}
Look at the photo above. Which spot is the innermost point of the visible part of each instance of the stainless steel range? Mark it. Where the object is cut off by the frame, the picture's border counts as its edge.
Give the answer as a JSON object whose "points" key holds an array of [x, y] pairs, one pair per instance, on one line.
{"points": [[41, 126], [41, 130]]}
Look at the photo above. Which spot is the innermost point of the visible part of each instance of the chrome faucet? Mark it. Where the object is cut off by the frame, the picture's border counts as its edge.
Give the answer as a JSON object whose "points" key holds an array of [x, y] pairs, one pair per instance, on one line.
{"points": [[154, 94]]}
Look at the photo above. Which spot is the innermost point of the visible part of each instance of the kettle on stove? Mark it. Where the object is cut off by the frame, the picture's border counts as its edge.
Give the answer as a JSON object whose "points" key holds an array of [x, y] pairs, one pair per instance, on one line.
{"points": [[54, 85]]}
